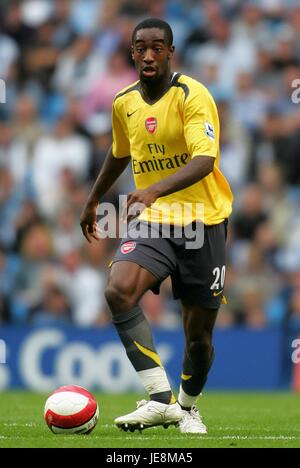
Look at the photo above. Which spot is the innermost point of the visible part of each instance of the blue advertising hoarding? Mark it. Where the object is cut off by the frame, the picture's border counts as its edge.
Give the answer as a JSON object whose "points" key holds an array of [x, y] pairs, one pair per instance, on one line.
{"points": [[41, 359]]}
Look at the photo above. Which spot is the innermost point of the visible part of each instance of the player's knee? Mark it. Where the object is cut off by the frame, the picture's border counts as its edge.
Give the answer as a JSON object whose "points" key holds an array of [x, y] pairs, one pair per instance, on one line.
{"points": [[119, 298], [200, 349]]}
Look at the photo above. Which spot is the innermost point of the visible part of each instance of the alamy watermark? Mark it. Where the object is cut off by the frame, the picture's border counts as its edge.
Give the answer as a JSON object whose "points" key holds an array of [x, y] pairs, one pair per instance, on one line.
{"points": [[2, 352], [296, 353], [2, 92], [296, 93], [164, 220]]}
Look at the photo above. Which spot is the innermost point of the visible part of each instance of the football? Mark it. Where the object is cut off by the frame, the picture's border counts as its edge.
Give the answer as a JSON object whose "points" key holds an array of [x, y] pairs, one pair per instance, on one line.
{"points": [[71, 410]]}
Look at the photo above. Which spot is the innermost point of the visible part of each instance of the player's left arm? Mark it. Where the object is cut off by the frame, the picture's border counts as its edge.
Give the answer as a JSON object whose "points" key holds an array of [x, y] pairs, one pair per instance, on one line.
{"points": [[194, 171], [201, 131]]}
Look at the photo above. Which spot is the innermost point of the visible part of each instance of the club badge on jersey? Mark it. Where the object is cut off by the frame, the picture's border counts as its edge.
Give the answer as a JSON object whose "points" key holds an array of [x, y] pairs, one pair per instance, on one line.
{"points": [[151, 124]]}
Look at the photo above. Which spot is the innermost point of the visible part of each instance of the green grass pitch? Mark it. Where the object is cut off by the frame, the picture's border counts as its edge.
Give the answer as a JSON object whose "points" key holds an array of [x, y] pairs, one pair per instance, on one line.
{"points": [[233, 420]]}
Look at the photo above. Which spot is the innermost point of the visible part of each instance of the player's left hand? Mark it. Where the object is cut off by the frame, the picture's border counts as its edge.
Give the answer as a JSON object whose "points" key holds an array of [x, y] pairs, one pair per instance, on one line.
{"points": [[137, 202]]}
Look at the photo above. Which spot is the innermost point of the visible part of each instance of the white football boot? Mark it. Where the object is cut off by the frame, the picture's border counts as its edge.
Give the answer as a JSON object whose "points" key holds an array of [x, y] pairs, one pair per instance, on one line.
{"points": [[149, 414], [191, 422]]}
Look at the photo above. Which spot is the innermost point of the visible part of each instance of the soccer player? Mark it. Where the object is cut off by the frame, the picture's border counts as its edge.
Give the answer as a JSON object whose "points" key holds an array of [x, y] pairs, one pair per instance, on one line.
{"points": [[167, 125]]}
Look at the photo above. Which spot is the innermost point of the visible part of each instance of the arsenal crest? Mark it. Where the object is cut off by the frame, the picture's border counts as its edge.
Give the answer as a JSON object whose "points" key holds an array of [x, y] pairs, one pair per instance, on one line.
{"points": [[128, 247], [151, 124]]}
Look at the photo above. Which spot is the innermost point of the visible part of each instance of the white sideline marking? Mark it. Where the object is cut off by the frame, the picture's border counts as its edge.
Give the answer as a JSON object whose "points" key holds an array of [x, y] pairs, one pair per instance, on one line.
{"points": [[205, 437], [20, 425], [184, 437]]}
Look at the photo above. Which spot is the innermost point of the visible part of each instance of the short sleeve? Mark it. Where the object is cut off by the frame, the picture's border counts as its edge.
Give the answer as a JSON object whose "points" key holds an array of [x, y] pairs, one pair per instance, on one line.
{"points": [[201, 124], [121, 145]]}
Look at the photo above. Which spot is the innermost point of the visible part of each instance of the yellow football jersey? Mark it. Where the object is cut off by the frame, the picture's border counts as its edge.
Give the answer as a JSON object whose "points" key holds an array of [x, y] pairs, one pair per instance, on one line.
{"points": [[163, 137]]}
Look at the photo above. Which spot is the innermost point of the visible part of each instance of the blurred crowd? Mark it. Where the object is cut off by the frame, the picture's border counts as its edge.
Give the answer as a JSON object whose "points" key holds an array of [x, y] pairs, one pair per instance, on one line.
{"points": [[63, 61]]}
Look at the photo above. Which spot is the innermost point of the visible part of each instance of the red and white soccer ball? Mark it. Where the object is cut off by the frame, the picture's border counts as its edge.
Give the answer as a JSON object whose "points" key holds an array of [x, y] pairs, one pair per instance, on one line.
{"points": [[71, 410]]}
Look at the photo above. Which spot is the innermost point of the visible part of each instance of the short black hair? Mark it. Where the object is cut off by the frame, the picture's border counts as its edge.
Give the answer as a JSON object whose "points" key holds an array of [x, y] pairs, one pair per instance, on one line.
{"points": [[154, 23]]}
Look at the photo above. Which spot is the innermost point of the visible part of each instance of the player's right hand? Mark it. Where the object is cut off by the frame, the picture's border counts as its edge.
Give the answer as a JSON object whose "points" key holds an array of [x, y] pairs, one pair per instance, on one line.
{"points": [[88, 223]]}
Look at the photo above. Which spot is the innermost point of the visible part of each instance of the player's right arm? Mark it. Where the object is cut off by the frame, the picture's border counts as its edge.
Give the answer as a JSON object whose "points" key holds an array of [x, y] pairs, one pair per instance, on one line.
{"points": [[115, 163], [112, 168]]}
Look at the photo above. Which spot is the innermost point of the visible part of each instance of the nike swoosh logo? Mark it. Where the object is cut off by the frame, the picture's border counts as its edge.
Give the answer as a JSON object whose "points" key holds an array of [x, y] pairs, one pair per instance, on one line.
{"points": [[217, 293], [129, 114]]}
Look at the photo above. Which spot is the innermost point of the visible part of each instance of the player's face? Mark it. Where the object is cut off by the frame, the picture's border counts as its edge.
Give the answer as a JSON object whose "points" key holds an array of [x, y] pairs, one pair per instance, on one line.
{"points": [[151, 54]]}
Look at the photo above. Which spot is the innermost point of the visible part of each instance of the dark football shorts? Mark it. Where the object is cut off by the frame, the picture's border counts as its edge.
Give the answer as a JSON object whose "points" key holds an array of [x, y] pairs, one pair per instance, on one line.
{"points": [[198, 274]]}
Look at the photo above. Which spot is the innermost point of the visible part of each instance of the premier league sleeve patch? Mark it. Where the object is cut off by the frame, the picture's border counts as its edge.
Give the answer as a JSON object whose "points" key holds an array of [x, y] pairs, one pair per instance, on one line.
{"points": [[209, 130]]}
